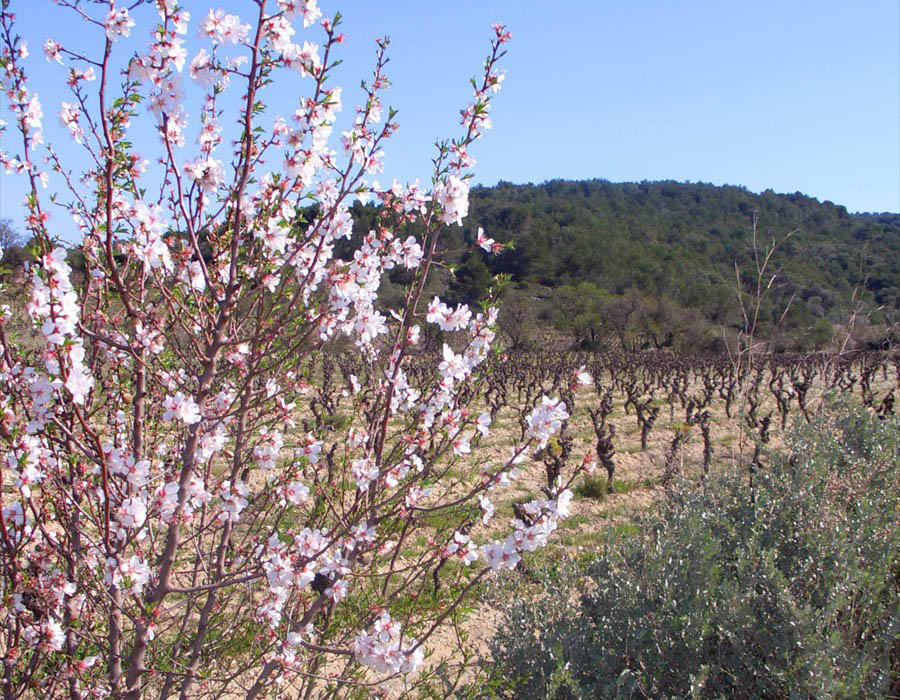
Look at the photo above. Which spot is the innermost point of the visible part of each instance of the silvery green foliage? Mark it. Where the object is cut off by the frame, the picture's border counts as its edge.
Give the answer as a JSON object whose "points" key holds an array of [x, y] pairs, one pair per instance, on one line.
{"points": [[791, 593]]}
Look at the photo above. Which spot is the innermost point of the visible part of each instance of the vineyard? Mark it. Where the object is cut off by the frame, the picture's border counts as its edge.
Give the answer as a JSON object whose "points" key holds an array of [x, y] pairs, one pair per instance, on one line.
{"points": [[646, 420], [679, 412]]}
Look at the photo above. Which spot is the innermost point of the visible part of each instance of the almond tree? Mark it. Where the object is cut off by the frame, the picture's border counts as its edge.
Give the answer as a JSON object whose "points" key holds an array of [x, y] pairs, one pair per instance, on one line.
{"points": [[176, 520]]}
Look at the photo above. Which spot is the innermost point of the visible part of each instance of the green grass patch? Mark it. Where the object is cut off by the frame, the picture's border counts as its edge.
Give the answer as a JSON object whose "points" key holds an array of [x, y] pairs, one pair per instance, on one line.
{"points": [[595, 486], [574, 521]]}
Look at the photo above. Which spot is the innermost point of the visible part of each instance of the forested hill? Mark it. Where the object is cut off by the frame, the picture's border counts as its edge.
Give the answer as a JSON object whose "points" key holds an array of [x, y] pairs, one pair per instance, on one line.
{"points": [[676, 244]]}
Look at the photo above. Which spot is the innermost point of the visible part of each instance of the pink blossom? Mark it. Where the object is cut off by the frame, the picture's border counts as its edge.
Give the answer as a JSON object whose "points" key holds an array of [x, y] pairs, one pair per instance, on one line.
{"points": [[53, 634], [265, 454], [202, 70], [182, 408], [220, 27], [310, 448], [68, 117], [296, 493], [33, 113], [51, 51], [415, 495], [453, 365], [382, 649], [234, 500], [487, 508], [483, 241], [209, 173], [546, 419], [583, 377], [461, 445], [118, 23], [501, 554], [79, 383], [131, 574], [452, 194], [364, 472], [307, 9], [132, 513]]}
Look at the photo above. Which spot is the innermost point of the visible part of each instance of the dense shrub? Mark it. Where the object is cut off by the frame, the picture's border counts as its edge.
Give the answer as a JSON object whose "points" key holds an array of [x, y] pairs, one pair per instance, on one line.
{"points": [[788, 590]]}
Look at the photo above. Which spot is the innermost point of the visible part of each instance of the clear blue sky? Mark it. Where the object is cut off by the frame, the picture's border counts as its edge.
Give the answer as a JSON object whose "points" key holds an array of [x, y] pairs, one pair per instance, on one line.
{"points": [[793, 96]]}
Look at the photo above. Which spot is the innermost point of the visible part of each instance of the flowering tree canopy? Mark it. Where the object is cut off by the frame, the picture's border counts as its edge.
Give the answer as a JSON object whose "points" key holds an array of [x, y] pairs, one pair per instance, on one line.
{"points": [[196, 498]]}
